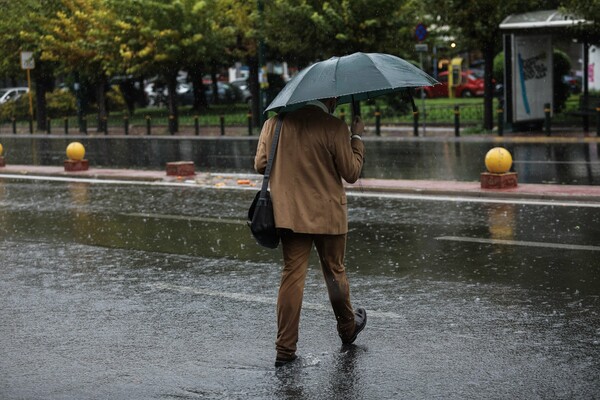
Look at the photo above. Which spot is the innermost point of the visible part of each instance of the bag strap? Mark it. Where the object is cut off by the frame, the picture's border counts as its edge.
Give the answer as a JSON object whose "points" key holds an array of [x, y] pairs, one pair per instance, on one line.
{"points": [[267, 175]]}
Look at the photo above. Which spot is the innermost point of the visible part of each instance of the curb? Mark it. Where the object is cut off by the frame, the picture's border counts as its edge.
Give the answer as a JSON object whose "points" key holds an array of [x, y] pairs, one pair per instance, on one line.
{"points": [[563, 193]]}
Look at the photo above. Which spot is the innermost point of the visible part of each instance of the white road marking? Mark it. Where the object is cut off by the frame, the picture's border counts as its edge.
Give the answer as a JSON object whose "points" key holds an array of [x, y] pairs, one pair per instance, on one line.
{"points": [[467, 199], [188, 218], [255, 298], [520, 243]]}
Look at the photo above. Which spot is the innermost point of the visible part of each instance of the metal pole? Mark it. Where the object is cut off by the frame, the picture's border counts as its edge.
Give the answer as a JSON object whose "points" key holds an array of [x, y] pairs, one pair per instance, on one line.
{"points": [[30, 96], [456, 121], [249, 116], [500, 112], [172, 124], [597, 121], [222, 120], [586, 98], [261, 61], [423, 98], [378, 122], [547, 122], [148, 125], [415, 116]]}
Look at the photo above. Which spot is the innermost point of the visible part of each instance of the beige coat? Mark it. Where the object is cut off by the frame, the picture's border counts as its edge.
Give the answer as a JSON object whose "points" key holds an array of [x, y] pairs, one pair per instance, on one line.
{"points": [[314, 154]]}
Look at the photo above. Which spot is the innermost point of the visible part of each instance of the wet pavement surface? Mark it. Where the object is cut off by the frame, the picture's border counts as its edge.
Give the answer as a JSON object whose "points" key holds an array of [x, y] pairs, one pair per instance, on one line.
{"points": [[156, 290], [571, 160]]}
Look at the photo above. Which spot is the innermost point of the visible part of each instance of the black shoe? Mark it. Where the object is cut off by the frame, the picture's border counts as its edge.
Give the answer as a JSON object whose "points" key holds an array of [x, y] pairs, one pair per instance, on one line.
{"points": [[280, 362], [360, 319]]}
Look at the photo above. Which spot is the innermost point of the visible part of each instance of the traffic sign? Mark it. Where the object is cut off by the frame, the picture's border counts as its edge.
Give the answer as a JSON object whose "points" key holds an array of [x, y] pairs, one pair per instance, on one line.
{"points": [[421, 32], [27, 61], [421, 48]]}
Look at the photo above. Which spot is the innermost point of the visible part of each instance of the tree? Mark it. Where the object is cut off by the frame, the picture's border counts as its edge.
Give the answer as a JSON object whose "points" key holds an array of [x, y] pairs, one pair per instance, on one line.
{"points": [[167, 36], [208, 37], [18, 33], [81, 37], [588, 9], [316, 30]]}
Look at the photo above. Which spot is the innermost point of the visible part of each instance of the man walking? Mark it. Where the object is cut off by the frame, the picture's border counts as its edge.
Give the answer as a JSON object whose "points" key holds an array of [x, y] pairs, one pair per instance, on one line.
{"points": [[315, 152]]}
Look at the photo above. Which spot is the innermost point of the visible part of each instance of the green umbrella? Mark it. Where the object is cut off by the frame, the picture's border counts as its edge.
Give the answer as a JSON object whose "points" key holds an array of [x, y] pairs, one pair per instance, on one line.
{"points": [[351, 78]]}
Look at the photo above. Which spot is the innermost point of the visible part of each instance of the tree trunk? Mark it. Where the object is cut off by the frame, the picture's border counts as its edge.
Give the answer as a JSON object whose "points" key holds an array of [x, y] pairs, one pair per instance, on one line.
{"points": [[215, 88], [172, 102], [128, 90], [488, 94], [254, 91], [44, 81], [101, 101], [200, 103], [41, 114]]}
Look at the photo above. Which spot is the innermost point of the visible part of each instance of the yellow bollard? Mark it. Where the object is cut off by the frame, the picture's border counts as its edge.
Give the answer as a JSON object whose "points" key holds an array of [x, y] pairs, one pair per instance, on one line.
{"points": [[498, 162], [2, 163], [75, 153]]}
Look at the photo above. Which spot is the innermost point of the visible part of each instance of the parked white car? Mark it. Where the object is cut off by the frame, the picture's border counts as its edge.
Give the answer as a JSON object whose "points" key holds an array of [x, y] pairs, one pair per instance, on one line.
{"points": [[9, 94]]}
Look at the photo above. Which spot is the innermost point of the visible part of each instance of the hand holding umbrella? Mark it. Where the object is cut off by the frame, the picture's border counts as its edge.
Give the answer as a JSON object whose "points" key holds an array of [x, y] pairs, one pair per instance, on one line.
{"points": [[358, 126]]}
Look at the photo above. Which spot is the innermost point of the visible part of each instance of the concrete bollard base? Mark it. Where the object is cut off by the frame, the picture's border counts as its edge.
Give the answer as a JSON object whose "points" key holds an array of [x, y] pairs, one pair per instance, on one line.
{"points": [[498, 181], [180, 168], [74, 166]]}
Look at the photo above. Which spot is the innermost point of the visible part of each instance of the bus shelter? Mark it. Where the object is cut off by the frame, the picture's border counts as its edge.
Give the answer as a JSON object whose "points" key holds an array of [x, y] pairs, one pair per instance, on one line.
{"points": [[528, 72]]}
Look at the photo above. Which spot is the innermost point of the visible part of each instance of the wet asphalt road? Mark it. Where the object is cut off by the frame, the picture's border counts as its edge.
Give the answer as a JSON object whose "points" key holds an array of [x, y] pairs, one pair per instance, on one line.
{"points": [[157, 292]]}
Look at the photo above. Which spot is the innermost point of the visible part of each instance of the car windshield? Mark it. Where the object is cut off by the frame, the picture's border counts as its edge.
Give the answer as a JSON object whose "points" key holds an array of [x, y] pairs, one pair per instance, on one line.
{"points": [[475, 74]]}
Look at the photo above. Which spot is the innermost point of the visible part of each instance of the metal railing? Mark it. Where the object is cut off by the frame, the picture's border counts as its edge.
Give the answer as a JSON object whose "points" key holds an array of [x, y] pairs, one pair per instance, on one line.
{"points": [[458, 116]]}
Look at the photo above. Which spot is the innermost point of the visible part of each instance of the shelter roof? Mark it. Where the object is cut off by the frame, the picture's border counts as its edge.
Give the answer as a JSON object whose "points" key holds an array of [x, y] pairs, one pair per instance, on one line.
{"points": [[546, 19]]}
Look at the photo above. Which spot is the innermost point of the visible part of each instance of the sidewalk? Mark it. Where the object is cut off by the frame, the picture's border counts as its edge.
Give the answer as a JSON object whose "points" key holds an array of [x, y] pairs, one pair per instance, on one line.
{"points": [[572, 193]]}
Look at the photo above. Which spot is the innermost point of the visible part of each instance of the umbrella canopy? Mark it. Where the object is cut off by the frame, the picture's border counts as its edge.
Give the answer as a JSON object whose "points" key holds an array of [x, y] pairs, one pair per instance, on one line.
{"points": [[355, 77]]}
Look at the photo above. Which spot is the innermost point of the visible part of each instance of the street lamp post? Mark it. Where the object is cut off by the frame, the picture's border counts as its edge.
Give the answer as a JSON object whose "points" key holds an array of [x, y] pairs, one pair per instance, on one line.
{"points": [[261, 62]]}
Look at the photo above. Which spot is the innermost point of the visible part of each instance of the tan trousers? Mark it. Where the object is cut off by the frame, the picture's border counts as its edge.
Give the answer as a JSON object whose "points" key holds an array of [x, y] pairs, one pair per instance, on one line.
{"points": [[296, 250]]}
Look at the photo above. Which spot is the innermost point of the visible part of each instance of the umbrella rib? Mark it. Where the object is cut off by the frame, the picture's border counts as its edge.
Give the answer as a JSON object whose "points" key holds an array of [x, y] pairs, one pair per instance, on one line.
{"points": [[335, 82]]}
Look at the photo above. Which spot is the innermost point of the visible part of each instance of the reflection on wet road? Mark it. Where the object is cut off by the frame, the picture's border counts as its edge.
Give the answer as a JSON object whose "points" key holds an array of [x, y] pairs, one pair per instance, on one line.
{"points": [[566, 160], [117, 291]]}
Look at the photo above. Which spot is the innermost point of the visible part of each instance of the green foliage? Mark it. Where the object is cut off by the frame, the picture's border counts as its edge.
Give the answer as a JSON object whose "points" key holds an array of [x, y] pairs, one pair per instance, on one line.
{"points": [[115, 99], [590, 11], [498, 73], [318, 30], [61, 103], [561, 66], [18, 109]]}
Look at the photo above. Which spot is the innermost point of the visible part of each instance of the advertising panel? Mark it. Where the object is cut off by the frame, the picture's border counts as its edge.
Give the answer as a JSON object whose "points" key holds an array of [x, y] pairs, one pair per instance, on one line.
{"points": [[532, 76], [594, 68]]}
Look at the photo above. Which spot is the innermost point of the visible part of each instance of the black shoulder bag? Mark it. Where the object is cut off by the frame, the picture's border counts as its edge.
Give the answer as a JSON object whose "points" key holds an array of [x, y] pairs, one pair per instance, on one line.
{"points": [[260, 215]]}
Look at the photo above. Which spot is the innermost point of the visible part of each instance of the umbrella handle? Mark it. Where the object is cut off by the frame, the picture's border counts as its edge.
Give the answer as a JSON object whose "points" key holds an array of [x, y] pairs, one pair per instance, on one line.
{"points": [[355, 107], [412, 102]]}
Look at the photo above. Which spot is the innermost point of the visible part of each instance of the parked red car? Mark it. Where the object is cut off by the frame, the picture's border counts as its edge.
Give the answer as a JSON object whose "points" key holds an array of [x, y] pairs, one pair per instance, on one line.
{"points": [[471, 85]]}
